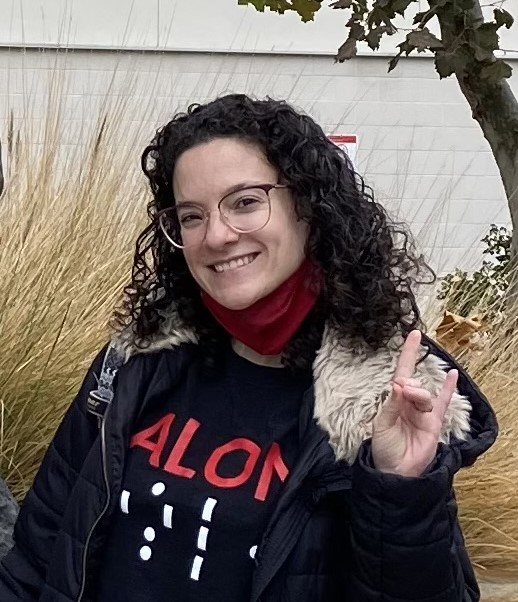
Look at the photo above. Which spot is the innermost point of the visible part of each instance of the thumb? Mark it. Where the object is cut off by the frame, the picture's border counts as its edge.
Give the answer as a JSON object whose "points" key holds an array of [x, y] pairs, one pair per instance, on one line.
{"points": [[391, 410]]}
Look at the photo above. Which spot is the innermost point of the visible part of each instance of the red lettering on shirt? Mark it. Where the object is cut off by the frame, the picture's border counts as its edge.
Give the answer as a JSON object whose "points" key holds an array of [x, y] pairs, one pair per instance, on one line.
{"points": [[143, 439], [173, 462], [272, 463], [211, 467], [154, 439]]}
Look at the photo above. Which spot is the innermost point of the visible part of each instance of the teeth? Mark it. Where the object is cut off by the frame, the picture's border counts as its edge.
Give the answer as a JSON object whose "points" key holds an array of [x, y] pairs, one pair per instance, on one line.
{"points": [[235, 263]]}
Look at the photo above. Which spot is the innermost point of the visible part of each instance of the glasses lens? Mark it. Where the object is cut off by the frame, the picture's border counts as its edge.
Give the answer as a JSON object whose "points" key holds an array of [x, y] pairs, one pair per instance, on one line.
{"points": [[170, 224], [246, 210]]}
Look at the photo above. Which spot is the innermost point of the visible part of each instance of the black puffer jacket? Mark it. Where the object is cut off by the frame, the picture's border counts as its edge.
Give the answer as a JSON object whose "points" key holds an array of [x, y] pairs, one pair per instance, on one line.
{"points": [[341, 532]]}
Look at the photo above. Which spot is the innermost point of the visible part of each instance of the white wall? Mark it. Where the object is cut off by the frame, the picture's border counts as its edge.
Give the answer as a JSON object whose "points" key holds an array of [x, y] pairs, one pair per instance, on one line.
{"points": [[196, 25], [418, 145]]}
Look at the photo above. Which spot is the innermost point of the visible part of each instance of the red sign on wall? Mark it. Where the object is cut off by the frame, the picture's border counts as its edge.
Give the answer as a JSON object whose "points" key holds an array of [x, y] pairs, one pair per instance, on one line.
{"points": [[348, 143]]}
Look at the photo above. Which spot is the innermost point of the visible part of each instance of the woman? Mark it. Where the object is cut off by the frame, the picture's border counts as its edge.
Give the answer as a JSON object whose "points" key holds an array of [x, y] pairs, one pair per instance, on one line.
{"points": [[279, 430]]}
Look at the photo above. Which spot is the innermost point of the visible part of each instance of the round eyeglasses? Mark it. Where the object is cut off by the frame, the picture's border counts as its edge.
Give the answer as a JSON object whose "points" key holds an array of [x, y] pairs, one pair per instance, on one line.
{"points": [[245, 210]]}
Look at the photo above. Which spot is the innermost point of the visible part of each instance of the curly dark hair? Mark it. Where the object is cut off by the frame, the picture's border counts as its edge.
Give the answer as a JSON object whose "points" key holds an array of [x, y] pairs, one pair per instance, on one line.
{"points": [[368, 261]]}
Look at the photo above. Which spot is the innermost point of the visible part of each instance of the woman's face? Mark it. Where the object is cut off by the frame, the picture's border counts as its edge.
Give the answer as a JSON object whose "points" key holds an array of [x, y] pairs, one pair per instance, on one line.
{"points": [[206, 173]]}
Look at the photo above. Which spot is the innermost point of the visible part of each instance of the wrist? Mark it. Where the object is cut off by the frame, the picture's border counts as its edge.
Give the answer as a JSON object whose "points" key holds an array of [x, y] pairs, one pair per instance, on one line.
{"points": [[402, 470]]}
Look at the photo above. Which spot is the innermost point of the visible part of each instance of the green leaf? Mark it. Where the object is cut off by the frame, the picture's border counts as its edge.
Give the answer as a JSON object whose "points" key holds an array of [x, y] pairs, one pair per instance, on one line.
{"points": [[484, 41], [502, 17], [357, 31], [405, 47], [306, 9], [423, 39], [360, 7], [393, 62], [342, 4], [496, 71], [258, 4], [347, 50], [373, 38], [393, 7], [444, 65], [400, 6], [447, 64], [423, 17], [378, 16], [486, 36], [375, 34]]}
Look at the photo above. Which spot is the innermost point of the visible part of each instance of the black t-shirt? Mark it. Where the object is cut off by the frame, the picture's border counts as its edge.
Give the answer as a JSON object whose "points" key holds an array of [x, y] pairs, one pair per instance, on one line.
{"points": [[204, 471]]}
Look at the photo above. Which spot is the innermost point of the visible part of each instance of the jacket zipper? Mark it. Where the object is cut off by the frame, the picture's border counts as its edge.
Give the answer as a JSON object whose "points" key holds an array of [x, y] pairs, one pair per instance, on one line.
{"points": [[104, 510]]}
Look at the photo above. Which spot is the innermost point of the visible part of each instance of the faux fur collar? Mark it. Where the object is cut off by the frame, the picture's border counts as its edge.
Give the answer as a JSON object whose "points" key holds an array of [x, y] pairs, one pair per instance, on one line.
{"points": [[350, 385]]}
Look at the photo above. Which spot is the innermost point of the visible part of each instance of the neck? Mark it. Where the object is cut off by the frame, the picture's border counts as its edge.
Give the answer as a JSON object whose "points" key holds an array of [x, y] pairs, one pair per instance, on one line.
{"points": [[272, 361], [270, 323]]}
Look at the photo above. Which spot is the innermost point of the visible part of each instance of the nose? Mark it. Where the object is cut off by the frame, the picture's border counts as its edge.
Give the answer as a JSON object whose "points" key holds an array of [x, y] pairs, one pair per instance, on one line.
{"points": [[218, 233]]}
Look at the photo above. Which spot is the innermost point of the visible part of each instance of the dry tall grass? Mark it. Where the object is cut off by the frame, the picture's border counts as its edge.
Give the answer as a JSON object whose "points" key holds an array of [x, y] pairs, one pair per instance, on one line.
{"points": [[488, 492], [67, 229]]}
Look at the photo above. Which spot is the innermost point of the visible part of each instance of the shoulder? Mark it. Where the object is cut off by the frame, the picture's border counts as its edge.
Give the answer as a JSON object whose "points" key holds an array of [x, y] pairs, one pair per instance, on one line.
{"points": [[141, 363]]}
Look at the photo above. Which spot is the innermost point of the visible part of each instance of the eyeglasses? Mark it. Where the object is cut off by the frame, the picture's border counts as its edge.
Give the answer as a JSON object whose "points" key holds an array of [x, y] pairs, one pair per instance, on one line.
{"points": [[243, 211]]}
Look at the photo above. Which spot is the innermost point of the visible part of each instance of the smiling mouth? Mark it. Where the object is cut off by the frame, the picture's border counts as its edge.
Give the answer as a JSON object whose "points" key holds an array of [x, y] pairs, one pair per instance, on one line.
{"points": [[233, 264]]}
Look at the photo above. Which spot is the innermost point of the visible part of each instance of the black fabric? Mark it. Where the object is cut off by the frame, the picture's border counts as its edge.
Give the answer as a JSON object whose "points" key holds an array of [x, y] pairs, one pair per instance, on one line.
{"points": [[337, 533], [389, 510], [204, 471]]}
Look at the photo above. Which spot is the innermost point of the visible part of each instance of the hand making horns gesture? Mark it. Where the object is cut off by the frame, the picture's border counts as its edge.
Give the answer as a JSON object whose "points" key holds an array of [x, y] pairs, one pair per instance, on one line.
{"points": [[406, 430]]}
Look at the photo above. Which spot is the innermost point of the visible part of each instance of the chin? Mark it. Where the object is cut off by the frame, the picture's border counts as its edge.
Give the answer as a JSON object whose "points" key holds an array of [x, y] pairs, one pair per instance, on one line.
{"points": [[235, 304], [236, 300]]}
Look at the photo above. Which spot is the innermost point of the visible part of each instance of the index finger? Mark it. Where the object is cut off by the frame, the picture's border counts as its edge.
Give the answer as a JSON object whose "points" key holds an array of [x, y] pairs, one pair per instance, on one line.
{"points": [[409, 354]]}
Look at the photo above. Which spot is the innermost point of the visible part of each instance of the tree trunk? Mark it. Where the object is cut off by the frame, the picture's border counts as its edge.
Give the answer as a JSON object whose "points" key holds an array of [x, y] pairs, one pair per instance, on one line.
{"points": [[495, 108]]}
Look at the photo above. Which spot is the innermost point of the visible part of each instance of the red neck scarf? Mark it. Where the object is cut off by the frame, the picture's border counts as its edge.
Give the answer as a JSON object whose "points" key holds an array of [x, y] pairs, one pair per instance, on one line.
{"points": [[269, 324]]}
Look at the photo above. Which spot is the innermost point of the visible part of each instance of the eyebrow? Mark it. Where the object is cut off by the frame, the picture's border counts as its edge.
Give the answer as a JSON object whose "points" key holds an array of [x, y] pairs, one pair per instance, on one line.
{"points": [[230, 190]]}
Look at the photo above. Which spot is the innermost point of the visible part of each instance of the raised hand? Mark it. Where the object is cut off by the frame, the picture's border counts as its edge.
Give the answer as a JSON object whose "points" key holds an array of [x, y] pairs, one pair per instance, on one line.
{"points": [[407, 428]]}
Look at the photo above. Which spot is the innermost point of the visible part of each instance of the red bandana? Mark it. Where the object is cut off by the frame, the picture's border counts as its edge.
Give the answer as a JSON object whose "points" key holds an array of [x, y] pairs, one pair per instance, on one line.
{"points": [[269, 324]]}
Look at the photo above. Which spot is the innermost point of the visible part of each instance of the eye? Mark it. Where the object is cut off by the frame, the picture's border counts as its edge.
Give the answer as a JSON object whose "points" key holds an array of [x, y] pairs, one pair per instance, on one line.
{"points": [[190, 219], [247, 203]]}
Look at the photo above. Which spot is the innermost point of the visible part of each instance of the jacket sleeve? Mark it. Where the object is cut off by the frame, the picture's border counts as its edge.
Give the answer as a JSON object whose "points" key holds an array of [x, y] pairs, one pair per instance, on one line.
{"points": [[22, 571], [406, 541]]}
